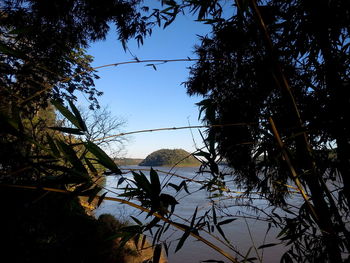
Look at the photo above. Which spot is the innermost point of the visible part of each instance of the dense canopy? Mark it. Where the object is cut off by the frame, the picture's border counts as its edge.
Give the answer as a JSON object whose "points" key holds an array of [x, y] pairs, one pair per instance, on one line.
{"points": [[281, 70], [42, 42]]}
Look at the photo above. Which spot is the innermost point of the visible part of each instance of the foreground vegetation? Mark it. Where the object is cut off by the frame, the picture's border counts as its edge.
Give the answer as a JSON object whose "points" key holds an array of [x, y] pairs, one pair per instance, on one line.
{"points": [[42, 227], [274, 76]]}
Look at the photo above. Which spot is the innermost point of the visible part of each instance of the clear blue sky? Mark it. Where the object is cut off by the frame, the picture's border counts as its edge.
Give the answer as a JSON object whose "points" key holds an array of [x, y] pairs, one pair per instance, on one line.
{"points": [[146, 98]]}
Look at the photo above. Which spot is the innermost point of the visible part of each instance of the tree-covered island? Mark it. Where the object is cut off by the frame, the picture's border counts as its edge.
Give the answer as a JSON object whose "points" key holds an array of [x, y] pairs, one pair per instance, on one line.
{"points": [[168, 157]]}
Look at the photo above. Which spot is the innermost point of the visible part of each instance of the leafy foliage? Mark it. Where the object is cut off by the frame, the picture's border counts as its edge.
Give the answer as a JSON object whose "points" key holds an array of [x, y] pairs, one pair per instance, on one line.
{"points": [[288, 62], [43, 43]]}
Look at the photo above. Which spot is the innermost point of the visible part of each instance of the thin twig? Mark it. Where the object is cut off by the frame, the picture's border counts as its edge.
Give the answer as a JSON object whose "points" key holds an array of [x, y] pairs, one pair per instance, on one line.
{"points": [[175, 128], [252, 240]]}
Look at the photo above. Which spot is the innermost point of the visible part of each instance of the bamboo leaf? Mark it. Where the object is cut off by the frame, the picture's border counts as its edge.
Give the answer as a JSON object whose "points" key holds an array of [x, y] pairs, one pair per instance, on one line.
{"points": [[177, 188], [136, 240], [143, 242], [166, 248], [131, 193], [268, 245], [227, 221], [102, 157], [66, 113], [166, 227], [136, 220], [182, 241], [121, 180], [92, 193], [184, 185], [221, 232], [53, 146], [214, 215], [80, 120], [155, 182], [100, 199], [91, 166], [72, 157], [194, 217], [151, 224], [156, 253], [151, 65], [168, 199], [142, 182], [68, 130]]}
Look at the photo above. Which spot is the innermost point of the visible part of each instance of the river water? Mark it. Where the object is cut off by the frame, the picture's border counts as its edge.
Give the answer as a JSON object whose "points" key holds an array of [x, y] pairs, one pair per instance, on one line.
{"points": [[245, 233]]}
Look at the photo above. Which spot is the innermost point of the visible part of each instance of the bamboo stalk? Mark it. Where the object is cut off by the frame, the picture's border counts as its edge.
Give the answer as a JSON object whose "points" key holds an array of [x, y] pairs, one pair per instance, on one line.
{"points": [[294, 174], [47, 87], [252, 240], [175, 128], [316, 184]]}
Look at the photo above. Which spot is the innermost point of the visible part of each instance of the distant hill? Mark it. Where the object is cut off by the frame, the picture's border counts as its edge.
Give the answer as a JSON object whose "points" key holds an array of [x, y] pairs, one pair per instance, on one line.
{"points": [[167, 157], [127, 161]]}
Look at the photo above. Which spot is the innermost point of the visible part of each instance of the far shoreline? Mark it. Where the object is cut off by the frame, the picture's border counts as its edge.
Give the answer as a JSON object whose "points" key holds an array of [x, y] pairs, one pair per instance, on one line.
{"points": [[169, 165]]}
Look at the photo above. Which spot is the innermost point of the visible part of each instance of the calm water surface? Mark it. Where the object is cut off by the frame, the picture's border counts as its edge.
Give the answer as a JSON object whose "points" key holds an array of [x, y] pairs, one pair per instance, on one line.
{"points": [[236, 232]]}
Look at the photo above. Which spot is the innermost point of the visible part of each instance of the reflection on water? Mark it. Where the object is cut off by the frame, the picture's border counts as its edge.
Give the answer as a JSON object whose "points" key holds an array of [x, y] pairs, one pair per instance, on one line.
{"points": [[243, 233]]}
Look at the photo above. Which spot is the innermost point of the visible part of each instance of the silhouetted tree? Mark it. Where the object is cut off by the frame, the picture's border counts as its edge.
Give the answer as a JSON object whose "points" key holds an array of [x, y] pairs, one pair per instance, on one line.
{"points": [[289, 61], [42, 57], [42, 42]]}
